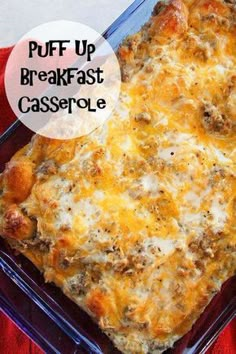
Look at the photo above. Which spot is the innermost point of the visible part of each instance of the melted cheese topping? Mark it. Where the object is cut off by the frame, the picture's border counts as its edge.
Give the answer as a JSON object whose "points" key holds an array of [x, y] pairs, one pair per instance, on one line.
{"points": [[136, 221]]}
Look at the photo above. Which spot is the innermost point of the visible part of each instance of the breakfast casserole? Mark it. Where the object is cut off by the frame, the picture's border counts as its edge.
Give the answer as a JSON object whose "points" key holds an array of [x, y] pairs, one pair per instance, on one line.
{"points": [[136, 221]]}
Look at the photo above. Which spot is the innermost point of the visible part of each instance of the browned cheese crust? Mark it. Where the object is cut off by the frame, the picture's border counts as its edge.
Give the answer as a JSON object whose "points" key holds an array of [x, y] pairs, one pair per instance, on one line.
{"points": [[136, 222]]}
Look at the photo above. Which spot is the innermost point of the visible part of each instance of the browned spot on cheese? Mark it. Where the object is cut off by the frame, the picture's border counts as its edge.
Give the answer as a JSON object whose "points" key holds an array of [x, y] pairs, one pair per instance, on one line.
{"points": [[171, 21], [96, 302], [16, 225], [18, 179]]}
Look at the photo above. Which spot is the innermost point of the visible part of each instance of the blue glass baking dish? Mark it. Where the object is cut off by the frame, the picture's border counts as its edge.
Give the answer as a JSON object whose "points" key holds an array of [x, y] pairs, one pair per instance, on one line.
{"points": [[41, 310]]}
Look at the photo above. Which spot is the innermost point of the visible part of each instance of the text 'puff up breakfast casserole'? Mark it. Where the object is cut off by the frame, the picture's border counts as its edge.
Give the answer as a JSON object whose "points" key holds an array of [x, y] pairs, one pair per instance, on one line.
{"points": [[136, 222]]}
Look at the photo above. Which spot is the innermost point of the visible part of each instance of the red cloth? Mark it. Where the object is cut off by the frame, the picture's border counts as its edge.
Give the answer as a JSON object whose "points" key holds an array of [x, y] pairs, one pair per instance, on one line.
{"points": [[12, 340]]}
